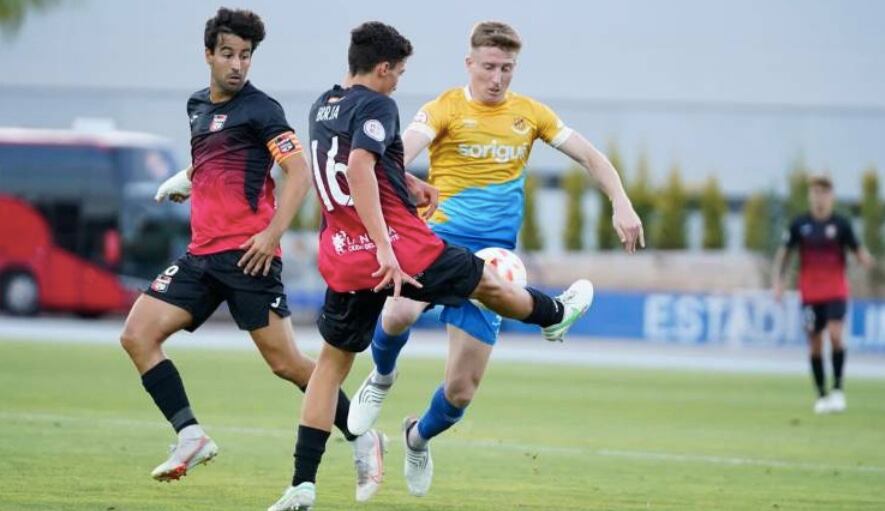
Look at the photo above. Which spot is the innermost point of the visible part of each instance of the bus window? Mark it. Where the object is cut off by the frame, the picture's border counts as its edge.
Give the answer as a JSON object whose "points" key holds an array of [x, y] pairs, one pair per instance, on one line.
{"points": [[73, 187]]}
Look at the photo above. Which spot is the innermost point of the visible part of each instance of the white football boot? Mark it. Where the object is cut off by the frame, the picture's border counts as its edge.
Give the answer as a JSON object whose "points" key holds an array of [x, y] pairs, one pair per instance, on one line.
{"points": [[365, 407], [368, 457], [576, 300], [418, 464], [822, 405], [190, 451], [837, 401], [296, 498]]}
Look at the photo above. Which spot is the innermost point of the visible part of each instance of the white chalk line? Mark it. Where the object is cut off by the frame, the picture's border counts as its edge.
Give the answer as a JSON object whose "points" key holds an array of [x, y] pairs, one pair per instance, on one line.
{"points": [[650, 456]]}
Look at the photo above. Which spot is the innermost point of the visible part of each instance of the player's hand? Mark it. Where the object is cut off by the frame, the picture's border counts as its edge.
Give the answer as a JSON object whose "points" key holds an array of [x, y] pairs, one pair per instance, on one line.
{"points": [[628, 226], [177, 188], [866, 260], [390, 272], [260, 251], [424, 195]]}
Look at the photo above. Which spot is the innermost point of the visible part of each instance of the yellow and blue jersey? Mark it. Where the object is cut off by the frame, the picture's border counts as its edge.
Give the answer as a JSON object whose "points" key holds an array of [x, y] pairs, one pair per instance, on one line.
{"points": [[478, 155]]}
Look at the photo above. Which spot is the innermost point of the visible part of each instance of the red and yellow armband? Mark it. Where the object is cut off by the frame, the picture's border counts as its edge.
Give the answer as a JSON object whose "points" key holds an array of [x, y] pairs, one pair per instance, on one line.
{"points": [[283, 146]]}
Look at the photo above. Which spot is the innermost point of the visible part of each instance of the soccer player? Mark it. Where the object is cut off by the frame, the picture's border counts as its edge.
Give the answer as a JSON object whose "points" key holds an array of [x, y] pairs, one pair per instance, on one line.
{"points": [[237, 133], [822, 238], [480, 137], [373, 243]]}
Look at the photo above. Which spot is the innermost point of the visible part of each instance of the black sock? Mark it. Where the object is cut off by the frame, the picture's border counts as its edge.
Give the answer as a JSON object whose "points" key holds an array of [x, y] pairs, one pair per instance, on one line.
{"points": [[340, 414], [817, 370], [546, 310], [838, 364], [309, 449], [164, 384]]}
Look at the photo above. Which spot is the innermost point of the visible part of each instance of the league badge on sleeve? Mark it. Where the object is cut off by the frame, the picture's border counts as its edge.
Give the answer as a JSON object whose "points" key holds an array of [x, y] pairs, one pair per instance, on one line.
{"points": [[374, 129]]}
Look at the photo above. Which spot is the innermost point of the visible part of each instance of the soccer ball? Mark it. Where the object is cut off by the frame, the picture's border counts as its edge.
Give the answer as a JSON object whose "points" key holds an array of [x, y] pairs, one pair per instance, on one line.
{"points": [[507, 264]]}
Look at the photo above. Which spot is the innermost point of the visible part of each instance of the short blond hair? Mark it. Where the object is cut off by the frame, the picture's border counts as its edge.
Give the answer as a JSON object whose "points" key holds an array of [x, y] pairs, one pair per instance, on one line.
{"points": [[495, 34]]}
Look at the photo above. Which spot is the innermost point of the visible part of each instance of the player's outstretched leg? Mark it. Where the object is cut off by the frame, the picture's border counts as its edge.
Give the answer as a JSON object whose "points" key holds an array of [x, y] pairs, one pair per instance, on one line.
{"points": [[391, 334], [149, 324], [576, 300], [554, 315]]}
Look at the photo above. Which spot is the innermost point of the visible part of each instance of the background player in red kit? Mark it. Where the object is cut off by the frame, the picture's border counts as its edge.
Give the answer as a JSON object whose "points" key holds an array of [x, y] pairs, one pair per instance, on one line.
{"points": [[237, 133], [374, 244], [822, 238]]}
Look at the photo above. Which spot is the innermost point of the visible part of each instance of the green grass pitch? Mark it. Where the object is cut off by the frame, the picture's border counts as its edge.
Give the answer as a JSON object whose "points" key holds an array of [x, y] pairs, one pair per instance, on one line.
{"points": [[77, 432]]}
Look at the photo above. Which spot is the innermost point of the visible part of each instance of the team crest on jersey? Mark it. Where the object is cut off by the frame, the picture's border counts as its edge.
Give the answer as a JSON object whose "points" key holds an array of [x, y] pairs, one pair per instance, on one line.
{"points": [[520, 126], [374, 129], [805, 230], [161, 283], [831, 231], [217, 122]]}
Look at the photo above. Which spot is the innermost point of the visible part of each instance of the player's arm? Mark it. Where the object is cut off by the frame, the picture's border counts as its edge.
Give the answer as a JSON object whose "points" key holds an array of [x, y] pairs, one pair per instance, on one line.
{"points": [[850, 241], [177, 187], [366, 200], [262, 247], [865, 258], [782, 259], [625, 220], [779, 270], [424, 195]]}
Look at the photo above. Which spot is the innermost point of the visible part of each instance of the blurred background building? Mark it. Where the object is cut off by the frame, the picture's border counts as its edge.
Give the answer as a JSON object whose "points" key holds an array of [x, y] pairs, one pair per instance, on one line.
{"points": [[713, 111]]}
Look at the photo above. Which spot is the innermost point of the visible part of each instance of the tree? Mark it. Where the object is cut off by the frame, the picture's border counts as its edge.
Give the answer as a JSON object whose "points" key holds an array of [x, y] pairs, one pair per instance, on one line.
{"points": [[574, 182], [757, 227], [13, 12], [606, 237], [713, 207], [797, 194], [872, 211], [642, 194], [530, 236], [671, 206]]}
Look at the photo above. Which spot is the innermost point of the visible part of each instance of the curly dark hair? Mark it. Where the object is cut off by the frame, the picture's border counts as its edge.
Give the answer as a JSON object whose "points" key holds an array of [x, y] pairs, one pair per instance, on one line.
{"points": [[374, 42], [245, 24]]}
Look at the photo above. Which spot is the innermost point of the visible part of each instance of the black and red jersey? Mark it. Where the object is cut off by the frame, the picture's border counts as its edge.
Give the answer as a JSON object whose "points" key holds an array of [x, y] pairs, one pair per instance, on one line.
{"points": [[822, 259], [358, 118], [233, 147]]}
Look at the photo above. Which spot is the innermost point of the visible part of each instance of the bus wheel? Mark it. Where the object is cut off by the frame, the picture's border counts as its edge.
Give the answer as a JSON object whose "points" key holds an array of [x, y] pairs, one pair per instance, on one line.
{"points": [[19, 294]]}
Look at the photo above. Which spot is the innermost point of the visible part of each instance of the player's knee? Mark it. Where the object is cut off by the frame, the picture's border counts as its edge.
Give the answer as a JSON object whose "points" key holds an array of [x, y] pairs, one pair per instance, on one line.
{"points": [[396, 320], [296, 371], [135, 339], [490, 287], [460, 391]]}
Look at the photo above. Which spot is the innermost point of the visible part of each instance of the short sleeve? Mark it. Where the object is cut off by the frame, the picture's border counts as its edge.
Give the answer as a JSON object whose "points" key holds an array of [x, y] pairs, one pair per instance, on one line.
{"points": [[550, 128], [848, 238], [268, 119], [432, 120], [791, 235], [375, 125]]}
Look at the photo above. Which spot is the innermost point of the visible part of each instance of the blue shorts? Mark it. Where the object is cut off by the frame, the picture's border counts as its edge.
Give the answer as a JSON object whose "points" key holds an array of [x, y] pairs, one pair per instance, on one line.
{"points": [[480, 323]]}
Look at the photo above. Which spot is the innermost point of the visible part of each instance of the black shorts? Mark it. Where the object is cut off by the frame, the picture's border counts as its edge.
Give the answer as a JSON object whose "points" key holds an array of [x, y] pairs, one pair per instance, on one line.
{"points": [[348, 319], [818, 314], [198, 284]]}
